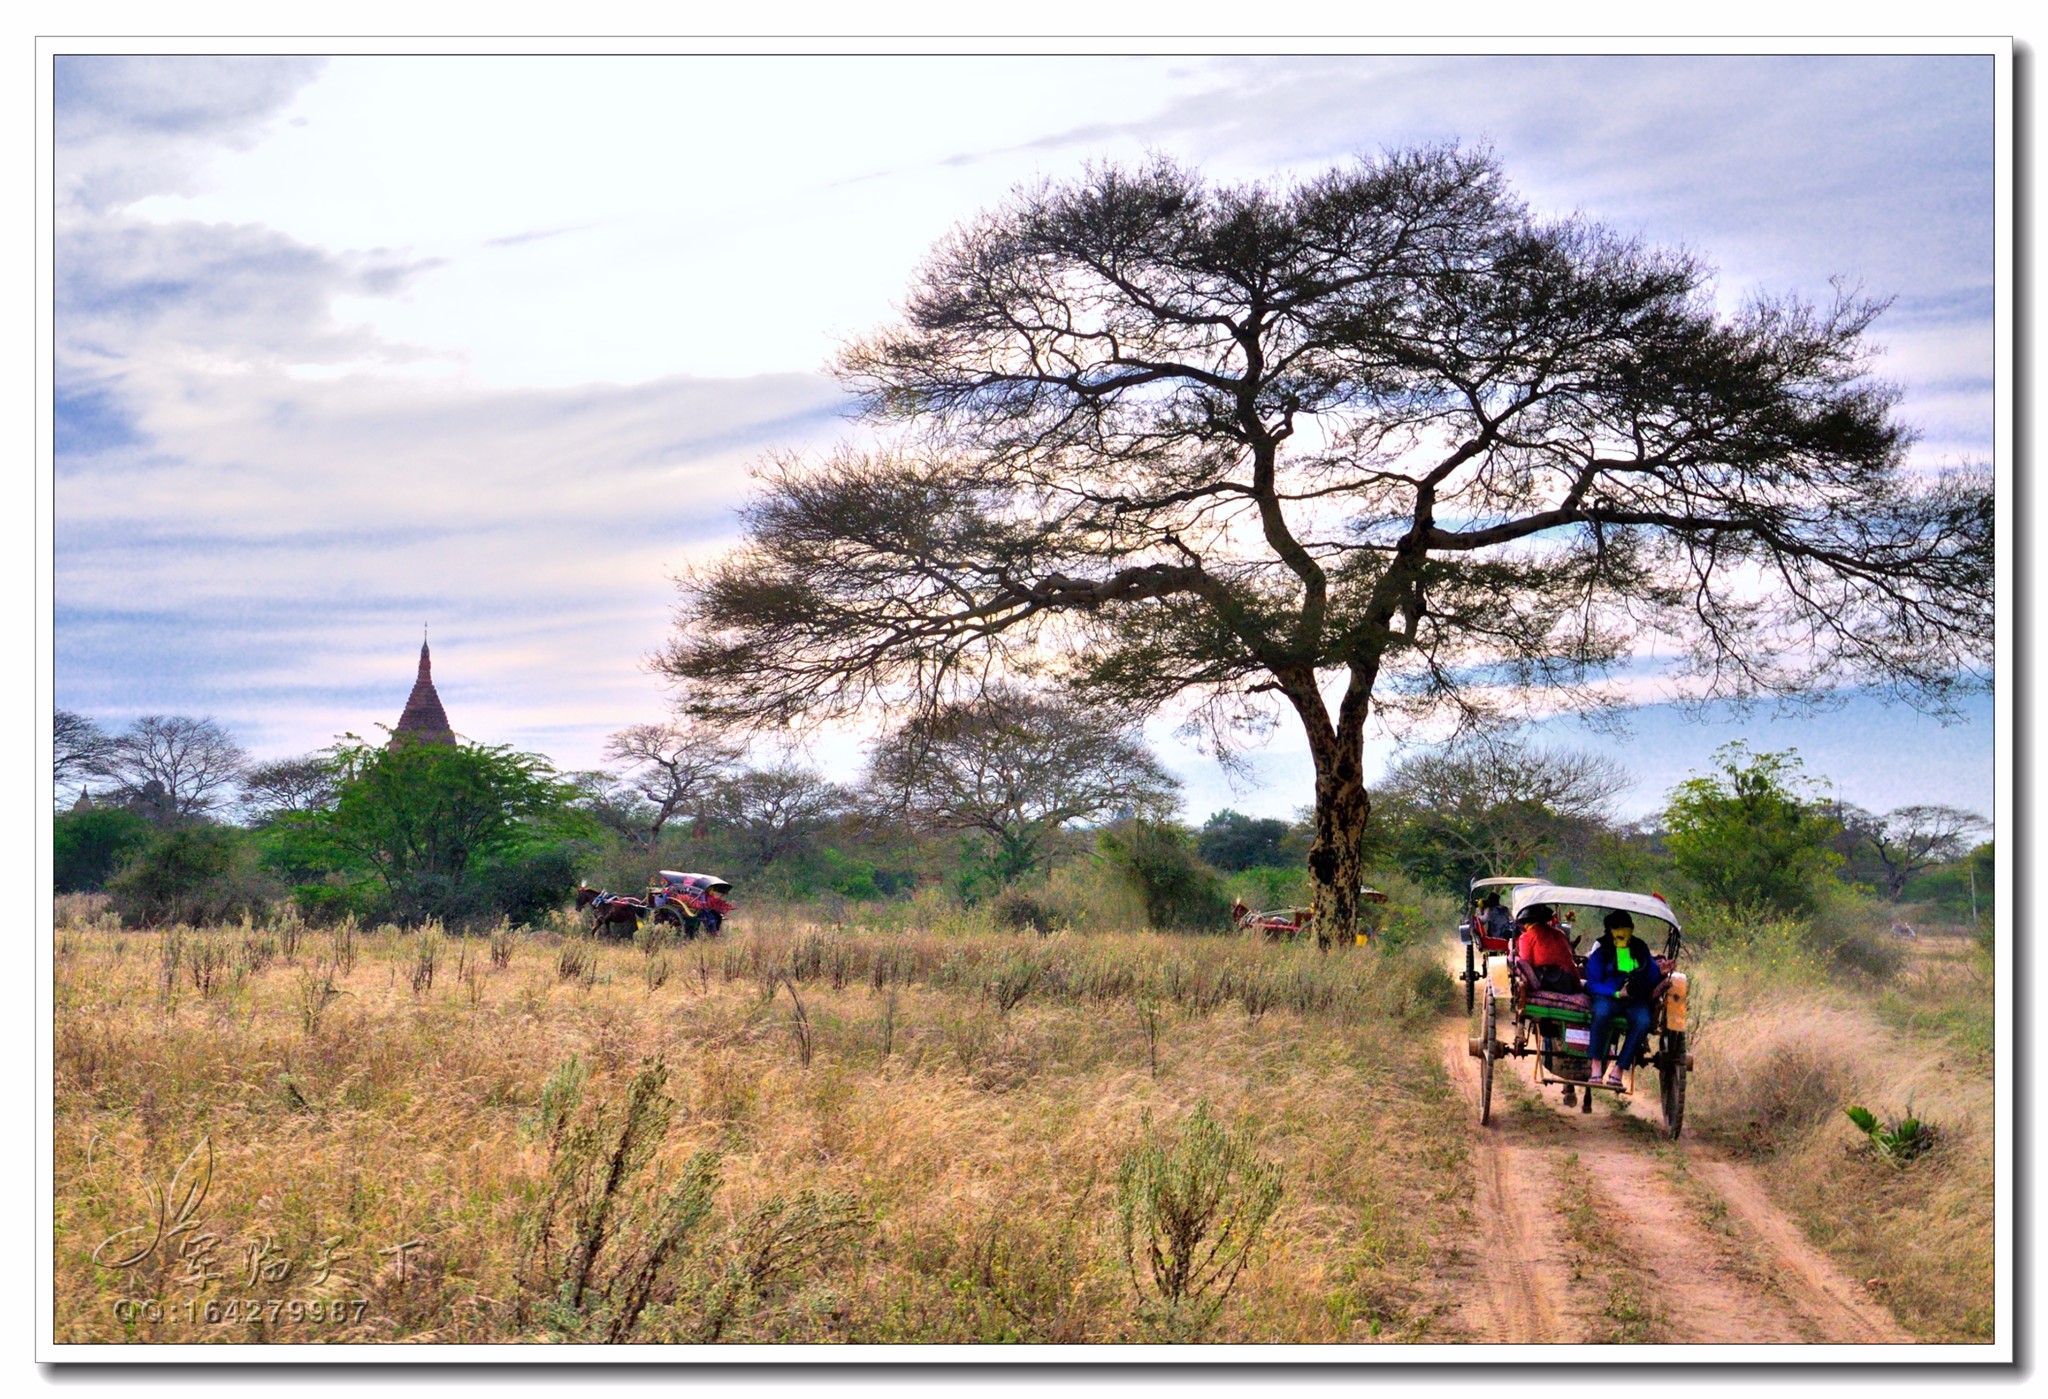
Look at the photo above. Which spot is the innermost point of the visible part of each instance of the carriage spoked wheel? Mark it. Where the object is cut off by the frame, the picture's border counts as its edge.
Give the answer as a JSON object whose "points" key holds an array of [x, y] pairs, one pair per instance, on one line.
{"points": [[1471, 979], [1671, 1075], [1487, 1049]]}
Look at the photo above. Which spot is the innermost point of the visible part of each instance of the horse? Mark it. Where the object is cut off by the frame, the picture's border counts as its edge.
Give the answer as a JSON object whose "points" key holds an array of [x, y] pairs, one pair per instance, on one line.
{"points": [[613, 913]]}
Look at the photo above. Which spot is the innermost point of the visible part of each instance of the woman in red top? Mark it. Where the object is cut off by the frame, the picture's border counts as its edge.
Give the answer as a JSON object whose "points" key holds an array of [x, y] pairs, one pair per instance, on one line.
{"points": [[1546, 949], [1548, 952]]}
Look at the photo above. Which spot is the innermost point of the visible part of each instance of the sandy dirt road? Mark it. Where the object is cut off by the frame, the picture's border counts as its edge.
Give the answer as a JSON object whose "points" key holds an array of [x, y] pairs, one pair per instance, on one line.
{"points": [[1592, 1227]]}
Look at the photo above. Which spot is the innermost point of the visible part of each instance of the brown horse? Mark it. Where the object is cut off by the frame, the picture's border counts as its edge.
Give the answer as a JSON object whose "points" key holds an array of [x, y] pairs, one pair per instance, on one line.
{"points": [[616, 914]]}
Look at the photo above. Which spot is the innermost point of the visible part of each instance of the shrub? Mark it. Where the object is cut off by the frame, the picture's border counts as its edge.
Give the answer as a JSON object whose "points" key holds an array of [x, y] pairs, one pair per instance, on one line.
{"points": [[525, 887], [1180, 892], [1897, 1139], [1016, 910], [1271, 886], [88, 846], [1192, 1209], [608, 1230], [192, 873]]}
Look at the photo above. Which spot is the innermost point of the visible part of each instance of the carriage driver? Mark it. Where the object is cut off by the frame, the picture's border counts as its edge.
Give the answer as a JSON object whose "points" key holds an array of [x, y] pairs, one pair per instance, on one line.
{"points": [[1624, 980]]}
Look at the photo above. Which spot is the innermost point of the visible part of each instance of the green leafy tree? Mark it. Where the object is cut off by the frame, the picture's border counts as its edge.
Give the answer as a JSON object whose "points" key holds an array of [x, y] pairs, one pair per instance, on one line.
{"points": [[1751, 833], [1232, 841], [1374, 446], [1900, 845], [429, 823]]}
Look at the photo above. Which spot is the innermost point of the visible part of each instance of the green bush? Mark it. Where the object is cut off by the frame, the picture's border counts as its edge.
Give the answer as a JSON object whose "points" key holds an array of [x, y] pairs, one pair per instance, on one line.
{"points": [[1017, 910], [527, 886], [1897, 1139], [88, 846], [1270, 886], [1180, 893], [193, 873]]}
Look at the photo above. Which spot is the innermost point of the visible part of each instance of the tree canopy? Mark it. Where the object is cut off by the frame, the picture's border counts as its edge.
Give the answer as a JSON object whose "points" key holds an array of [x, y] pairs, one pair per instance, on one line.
{"points": [[1489, 804], [1751, 833], [194, 763], [1381, 442], [425, 820], [1906, 841], [1014, 767]]}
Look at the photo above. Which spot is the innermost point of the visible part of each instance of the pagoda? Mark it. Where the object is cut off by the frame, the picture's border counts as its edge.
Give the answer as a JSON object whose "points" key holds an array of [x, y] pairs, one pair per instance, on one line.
{"points": [[424, 720]]}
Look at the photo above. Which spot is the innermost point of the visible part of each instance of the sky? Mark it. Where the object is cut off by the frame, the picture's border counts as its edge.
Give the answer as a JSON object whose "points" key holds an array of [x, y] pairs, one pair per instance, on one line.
{"points": [[347, 348]]}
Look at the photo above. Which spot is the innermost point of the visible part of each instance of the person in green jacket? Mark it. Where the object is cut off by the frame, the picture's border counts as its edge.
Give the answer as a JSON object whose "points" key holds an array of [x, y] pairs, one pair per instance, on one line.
{"points": [[1624, 980]]}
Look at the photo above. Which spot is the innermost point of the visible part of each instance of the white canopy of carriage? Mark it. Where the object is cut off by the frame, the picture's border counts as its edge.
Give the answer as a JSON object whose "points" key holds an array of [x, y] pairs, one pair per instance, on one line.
{"points": [[1648, 905]]}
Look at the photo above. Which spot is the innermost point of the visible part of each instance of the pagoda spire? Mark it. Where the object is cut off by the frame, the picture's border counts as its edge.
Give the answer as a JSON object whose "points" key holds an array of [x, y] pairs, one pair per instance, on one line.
{"points": [[424, 720]]}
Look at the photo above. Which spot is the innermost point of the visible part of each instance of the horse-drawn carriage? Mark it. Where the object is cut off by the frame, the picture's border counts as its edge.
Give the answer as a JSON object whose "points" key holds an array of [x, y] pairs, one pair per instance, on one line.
{"points": [[1516, 1018], [1479, 939], [688, 903]]}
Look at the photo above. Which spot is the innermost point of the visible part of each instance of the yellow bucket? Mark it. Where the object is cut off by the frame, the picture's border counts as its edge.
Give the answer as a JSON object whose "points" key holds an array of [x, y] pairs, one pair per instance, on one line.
{"points": [[1362, 939]]}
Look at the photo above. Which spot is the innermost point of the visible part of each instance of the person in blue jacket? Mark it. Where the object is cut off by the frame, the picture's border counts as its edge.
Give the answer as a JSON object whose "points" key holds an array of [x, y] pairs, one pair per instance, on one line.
{"points": [[1624, 980]]}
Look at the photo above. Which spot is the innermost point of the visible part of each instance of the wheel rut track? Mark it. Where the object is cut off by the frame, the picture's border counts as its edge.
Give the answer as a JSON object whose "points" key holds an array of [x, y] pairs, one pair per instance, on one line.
{"points": [[1522, 1288]]}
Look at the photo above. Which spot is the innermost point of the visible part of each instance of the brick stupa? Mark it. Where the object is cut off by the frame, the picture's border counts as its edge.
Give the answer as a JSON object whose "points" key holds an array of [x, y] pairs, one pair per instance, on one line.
{"points": [[424, 721]]}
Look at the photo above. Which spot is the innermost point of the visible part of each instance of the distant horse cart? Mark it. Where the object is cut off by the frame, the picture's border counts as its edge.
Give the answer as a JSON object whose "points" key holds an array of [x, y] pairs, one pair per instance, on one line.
{"points": [[1481, 940], [688, 903], [1287, 924]]}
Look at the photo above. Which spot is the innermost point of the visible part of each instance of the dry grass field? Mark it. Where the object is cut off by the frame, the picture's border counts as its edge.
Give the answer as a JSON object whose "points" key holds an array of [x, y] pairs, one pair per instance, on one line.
{"points": [[933, 1133], [787, 1134], [1786, 1049]]}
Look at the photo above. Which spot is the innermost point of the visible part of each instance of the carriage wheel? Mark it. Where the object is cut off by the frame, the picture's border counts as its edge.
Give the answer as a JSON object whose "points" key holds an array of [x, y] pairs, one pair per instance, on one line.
{"points": [[668, 918], [1471, 979], [1487, 1049], [1671, 1074]]}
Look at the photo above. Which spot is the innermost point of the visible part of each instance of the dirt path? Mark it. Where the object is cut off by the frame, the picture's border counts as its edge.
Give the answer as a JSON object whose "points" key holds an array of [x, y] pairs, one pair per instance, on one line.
{"points": [[1592, 1228]]}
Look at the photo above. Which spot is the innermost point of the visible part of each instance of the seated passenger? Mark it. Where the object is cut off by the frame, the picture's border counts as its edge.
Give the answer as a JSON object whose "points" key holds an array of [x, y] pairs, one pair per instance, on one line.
{"points": [[1544, 948], [1624, 979], [1493, 919]]}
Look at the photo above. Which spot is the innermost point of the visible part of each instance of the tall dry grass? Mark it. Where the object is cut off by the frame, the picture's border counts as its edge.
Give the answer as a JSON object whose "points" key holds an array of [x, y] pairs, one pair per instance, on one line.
{"points": [[894, 1134], [1782, 1054]]}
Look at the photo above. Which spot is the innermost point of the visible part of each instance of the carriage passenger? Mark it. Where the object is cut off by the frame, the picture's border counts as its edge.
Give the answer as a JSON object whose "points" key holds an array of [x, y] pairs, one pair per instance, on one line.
{"points": [[1624, 980], [1493, 920], [1547, 951]]}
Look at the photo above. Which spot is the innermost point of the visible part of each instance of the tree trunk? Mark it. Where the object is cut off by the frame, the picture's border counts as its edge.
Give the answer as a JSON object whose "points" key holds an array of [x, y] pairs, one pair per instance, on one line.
{"points": [[1335, 868]]}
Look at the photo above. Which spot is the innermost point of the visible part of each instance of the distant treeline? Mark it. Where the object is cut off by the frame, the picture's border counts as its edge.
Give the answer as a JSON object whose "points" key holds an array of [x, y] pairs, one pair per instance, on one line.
{"points": [[1043, 812]]}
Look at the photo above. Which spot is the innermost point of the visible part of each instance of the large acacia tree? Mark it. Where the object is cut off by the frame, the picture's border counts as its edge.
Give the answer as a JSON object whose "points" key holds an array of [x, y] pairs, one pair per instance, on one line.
{"points": [[1379, 443]]}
